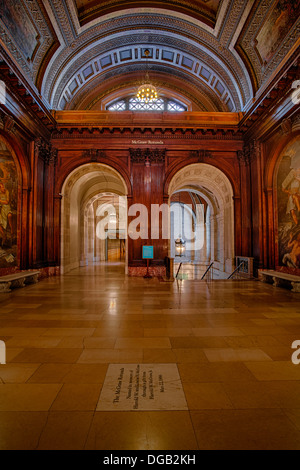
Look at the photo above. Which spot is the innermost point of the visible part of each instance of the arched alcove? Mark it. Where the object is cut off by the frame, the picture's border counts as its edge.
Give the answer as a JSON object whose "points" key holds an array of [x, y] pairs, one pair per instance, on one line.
{"points": [[80, 193], [213, 186]]}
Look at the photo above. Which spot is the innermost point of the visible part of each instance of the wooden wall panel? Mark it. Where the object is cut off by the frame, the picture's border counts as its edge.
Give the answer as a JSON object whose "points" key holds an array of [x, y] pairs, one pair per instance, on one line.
{"points": [[147, 184]]}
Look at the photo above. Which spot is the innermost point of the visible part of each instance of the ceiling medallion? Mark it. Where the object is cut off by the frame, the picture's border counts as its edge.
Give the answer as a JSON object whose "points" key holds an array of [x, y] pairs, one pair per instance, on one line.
{"points": [[147, 92]]}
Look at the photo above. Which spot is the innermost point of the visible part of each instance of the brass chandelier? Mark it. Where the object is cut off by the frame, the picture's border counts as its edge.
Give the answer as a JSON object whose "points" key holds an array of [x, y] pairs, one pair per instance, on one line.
{"points": [[147, 92]]}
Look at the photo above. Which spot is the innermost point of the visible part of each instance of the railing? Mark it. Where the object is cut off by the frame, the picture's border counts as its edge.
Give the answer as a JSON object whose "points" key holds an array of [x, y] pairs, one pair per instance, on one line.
{"points": [[195, 267], [237, 270], [206, 272], [178, 270]]}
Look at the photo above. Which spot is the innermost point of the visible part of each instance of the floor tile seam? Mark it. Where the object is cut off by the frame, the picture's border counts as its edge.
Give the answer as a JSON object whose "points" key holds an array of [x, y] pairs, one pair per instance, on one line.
{"points": [[42, 430], [284, 409]]}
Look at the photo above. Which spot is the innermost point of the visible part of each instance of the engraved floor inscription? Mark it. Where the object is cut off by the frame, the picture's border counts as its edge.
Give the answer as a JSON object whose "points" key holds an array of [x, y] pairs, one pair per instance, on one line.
{"points": [[142, 387]]}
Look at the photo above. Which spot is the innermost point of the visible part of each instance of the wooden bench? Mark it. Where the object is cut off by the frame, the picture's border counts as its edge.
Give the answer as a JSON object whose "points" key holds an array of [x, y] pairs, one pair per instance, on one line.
{"points": [[12, 281], [280, 279]]}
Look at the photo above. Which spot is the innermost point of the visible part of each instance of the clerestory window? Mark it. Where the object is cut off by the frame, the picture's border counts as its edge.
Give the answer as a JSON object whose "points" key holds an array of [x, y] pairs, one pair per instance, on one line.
{"points": [[160, 105]]}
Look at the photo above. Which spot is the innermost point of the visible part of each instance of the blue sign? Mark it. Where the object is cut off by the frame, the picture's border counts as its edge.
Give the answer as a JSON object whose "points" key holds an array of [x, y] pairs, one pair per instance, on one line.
{"points": [[148, 252]]}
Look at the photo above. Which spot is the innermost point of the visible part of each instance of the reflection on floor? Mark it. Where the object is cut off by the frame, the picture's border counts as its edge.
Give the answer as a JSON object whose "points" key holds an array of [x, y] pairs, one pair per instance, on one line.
{"points": [[230, 342]]}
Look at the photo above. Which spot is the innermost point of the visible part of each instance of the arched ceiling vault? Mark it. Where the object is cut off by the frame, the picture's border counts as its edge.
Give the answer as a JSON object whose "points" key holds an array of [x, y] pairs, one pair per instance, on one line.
{"points": [[175, 46], [217, 54]]}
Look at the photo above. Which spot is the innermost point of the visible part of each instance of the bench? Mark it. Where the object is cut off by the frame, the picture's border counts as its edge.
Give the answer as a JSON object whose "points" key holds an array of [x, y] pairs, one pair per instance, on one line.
{"points": [[280, 279], [12, 281]]}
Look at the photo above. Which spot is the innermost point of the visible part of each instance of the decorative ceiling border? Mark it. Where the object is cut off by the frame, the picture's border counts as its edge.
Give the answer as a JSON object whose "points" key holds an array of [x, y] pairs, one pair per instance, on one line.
{"points": [[131, 22], [106, 79], [186, 64]]}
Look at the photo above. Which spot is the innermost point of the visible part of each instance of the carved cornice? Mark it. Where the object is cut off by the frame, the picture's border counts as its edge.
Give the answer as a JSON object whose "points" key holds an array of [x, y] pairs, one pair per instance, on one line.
{"points": [[18, 87], [263, 106], [147, 156], [92, 133]]}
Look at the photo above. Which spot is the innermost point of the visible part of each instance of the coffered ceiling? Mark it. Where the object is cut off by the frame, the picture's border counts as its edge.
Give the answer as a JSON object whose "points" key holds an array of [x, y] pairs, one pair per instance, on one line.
{"points": [[215, 54]]}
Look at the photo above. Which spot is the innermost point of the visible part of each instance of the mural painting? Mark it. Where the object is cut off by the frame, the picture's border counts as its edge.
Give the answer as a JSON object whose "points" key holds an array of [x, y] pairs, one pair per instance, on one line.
{"points": [[288, 199], [283, 16], [8, 208], [20, 26]]}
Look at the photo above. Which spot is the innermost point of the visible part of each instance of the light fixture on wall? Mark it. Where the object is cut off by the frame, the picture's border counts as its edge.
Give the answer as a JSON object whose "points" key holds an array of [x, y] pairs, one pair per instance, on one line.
{"points": [[147, 92], [179, 246]]}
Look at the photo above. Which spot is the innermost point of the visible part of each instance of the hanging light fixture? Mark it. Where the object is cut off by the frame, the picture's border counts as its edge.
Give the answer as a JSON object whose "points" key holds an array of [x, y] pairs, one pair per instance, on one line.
{"points": [[179, 246], [147, 92]]}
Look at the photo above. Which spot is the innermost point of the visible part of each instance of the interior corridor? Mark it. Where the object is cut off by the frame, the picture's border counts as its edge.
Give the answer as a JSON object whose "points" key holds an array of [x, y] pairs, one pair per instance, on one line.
{"points": [[233, 357]]}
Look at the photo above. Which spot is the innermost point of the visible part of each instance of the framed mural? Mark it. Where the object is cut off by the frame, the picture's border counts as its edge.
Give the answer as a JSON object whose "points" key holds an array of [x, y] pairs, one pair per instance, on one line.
{"points": [[288, 207], [8, 208], [20, 26], [281, 19]]}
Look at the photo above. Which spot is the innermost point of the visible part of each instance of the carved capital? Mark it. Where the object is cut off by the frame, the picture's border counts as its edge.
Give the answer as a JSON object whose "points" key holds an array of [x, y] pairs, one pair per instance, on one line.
{"points": [[7, 123], [250, 152], [45, 151], [241, 155]]}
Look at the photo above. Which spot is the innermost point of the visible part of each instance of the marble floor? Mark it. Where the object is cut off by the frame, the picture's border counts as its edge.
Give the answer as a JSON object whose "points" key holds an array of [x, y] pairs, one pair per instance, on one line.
{"points": [[229, 341]]}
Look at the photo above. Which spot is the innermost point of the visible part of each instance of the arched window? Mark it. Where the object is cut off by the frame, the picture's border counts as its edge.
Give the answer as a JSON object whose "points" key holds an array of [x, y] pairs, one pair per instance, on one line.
{"points": [[160, 105]]}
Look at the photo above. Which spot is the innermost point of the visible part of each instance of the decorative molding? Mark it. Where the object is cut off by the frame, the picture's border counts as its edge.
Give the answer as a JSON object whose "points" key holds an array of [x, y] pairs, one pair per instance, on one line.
{"points": [[147, 156], [201, 155], [166, 133], [94, 154]]}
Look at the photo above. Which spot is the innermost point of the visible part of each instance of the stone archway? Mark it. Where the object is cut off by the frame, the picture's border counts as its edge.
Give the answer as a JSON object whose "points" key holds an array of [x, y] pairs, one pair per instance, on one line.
{"points": [[79, 192], [215, 188]]}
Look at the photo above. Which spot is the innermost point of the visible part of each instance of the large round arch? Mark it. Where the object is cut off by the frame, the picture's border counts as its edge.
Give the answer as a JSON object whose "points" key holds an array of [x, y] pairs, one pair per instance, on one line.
{"points": [[215, 188], [79, 191]]}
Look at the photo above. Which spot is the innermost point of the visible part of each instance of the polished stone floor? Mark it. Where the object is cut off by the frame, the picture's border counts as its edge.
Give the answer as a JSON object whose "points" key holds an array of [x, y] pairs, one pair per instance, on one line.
{"points": [[229, 340]]}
